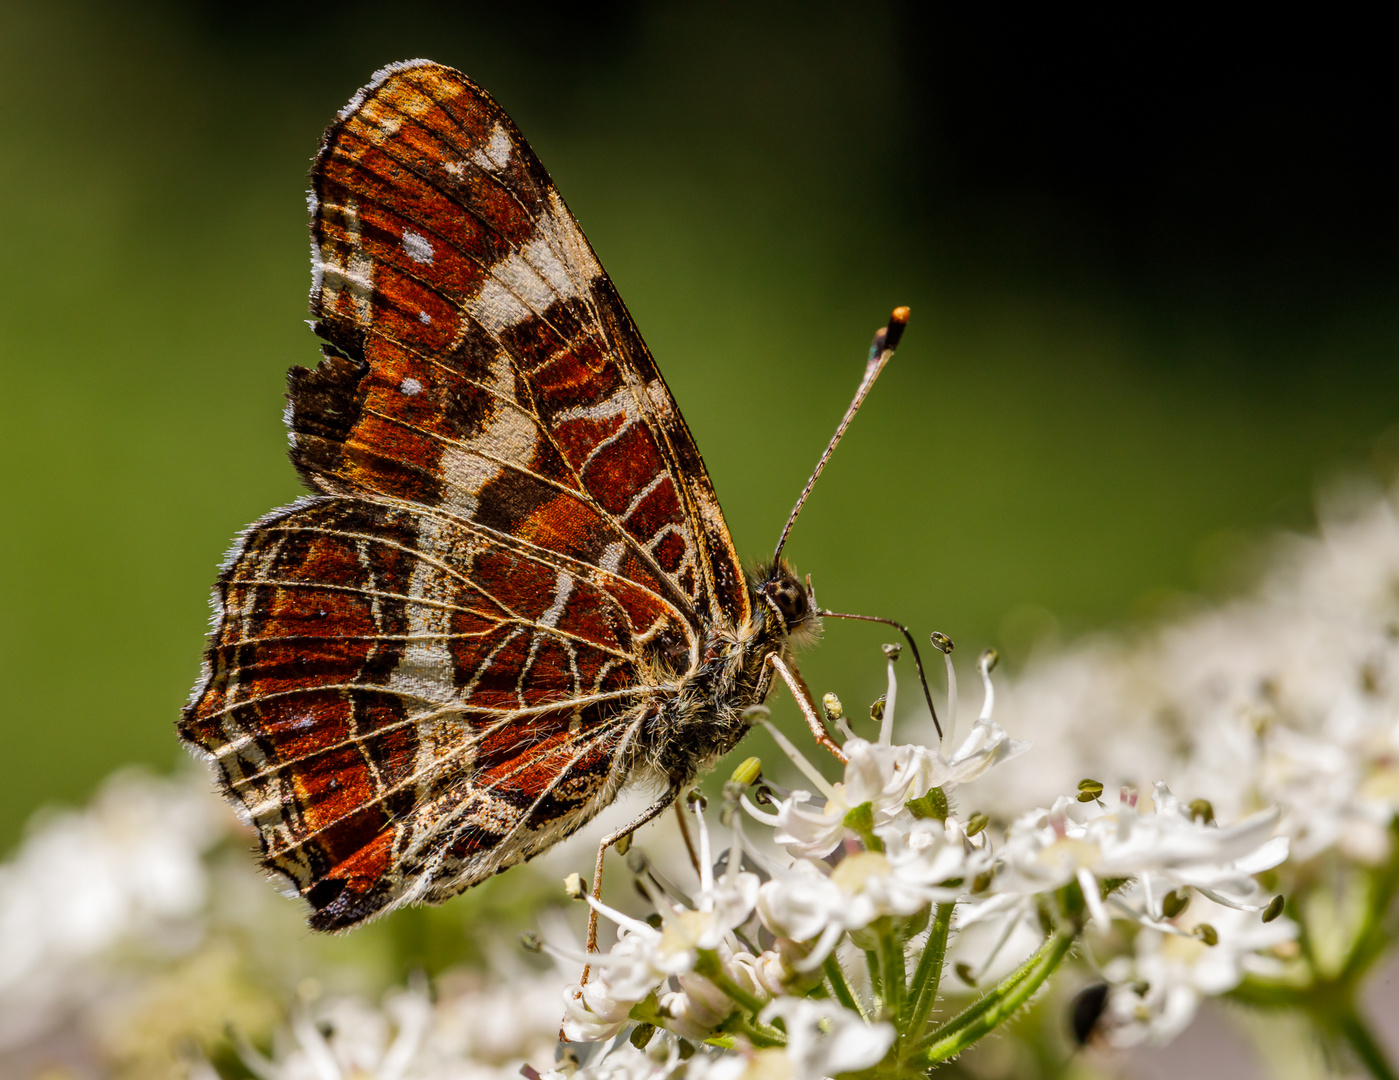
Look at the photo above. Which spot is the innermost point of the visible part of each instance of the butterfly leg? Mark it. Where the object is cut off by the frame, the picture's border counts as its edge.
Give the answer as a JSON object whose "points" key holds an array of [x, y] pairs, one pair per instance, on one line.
{"points": [[655, 810], [802, 693]]}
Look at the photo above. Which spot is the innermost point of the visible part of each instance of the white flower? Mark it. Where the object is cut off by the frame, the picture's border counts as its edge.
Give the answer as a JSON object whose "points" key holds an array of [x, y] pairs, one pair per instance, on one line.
{"points": [[912, 872], [644, 957], [887, 778], [824, 1039], [1158, 989], [1045, 850]]}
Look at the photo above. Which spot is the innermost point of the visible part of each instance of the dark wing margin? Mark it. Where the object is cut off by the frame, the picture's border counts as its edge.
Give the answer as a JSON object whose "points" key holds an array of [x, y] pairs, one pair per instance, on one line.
{"points": [[480, 358]]}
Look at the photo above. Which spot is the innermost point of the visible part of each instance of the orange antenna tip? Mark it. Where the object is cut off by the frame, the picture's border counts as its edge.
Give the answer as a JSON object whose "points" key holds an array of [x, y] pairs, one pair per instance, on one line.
{"points": [[900, 315]]}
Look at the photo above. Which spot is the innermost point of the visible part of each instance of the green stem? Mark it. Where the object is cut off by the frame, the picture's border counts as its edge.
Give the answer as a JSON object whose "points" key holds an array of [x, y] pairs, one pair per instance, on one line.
{"points": [[998, 1006], [924, 988], [709, 966], [892, 972], [1356, 1033], [839, 987], [1376, 933]]}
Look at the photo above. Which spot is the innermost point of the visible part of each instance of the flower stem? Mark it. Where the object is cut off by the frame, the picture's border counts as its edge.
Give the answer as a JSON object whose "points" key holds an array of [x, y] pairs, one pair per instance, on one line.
{"points": [[998, 1006], [892, 972], [1356, 1034], [923, 991], [709, 965], [839, 987]]}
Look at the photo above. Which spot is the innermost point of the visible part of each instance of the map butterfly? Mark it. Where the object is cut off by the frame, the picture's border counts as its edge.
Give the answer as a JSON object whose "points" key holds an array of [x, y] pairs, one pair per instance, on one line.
{"points": [[512, 591]]}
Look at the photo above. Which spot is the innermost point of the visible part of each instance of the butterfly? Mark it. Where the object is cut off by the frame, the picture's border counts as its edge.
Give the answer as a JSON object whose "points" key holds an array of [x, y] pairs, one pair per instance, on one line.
{"points": [[512, 591]]}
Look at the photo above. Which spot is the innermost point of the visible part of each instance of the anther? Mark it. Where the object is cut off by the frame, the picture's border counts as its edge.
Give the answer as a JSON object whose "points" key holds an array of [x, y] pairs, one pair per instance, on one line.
{"points": [[1090, 790], [941, 642], [1173, 903], [1274, 908], [574, 888], [531, 942]]}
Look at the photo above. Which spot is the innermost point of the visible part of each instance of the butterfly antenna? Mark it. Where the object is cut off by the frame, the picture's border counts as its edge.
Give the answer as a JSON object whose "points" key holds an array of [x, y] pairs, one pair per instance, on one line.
{"points": [[917, 660], [886, 340]]}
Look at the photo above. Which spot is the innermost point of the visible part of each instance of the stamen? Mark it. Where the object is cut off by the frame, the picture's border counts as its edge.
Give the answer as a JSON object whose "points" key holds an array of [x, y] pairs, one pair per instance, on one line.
{"points": [[944, 645], [886, 726], [706, 857], [795, 756], [985, 663], [757, 815], [617, 917]]}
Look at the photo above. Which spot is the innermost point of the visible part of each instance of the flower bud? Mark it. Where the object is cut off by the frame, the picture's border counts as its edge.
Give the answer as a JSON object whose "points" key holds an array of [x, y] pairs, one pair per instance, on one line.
{"points": [[747, 773], [932, 805]]}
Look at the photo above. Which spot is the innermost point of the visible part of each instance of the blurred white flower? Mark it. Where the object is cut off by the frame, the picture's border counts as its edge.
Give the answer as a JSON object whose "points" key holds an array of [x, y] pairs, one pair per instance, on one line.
{"points": [[1287, 699], [824, 1039], [1158, 988], [127, 871]]}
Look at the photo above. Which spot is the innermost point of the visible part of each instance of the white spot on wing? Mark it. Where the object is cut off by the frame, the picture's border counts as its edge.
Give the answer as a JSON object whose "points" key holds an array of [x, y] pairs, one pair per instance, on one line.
{"points": [[418, 247], [410, 386], [424, 318], [563, 589], [495, 155], [621, 403], [495, 307], [351, 271], [455, 168], [612, 556]]}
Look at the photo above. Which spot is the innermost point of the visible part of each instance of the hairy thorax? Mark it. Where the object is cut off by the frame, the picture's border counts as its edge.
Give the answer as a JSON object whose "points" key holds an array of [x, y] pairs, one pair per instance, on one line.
{"points": [[708, 715]]}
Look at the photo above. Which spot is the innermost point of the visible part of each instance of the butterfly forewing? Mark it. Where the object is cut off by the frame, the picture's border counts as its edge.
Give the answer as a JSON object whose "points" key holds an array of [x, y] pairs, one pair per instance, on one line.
{"points": [[441, 664]]}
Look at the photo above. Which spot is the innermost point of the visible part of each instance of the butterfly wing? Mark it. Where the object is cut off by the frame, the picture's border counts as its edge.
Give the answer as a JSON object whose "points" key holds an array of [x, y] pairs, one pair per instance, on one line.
{"points": [[445, 661]]}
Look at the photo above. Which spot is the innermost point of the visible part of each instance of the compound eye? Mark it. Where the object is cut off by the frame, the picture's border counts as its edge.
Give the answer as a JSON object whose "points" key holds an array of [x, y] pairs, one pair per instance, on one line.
{"points": [[790, 599]]}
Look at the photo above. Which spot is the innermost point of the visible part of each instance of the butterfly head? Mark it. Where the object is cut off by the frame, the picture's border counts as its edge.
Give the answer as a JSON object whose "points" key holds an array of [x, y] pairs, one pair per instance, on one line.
{"points": [[789, 603]]}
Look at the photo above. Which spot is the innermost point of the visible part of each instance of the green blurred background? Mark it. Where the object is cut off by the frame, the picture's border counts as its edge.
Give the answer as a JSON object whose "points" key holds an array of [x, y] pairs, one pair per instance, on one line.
{"points": [[1152, 268]]}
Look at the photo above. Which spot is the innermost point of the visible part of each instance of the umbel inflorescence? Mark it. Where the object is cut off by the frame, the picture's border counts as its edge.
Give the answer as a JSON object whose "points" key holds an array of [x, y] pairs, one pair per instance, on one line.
{"points": [[879, 924], [819, 937]]}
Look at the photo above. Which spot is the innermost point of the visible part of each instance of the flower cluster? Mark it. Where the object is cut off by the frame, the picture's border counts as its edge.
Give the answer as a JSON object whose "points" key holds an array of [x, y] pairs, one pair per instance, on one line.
{"points": [[876, 924], [854, 889], [1285, 702]]}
